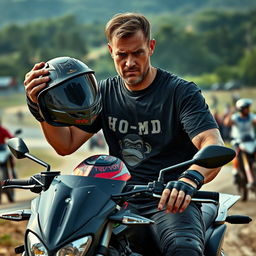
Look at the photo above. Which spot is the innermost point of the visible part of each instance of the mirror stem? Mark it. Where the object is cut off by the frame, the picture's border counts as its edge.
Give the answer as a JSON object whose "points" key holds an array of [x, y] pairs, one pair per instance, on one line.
{"points": [[35, 159], [174, 167]]}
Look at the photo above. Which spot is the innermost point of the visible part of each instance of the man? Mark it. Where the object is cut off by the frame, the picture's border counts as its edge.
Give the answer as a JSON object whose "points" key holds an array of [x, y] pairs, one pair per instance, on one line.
{"points": [[242, 123], [4, 134], [151, 119]]}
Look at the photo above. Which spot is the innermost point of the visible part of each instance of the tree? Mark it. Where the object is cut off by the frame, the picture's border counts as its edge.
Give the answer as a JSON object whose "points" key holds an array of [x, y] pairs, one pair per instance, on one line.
{"points": [[247, 67]]}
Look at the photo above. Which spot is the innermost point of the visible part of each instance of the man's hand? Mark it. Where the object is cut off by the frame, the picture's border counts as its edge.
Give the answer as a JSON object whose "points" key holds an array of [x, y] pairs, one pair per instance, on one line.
{"points": [[35, 81], [177, 196]]}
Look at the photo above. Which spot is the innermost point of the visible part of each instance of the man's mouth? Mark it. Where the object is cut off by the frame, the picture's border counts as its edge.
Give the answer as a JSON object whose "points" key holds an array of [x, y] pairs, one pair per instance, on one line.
{"points": [[131, 72]]}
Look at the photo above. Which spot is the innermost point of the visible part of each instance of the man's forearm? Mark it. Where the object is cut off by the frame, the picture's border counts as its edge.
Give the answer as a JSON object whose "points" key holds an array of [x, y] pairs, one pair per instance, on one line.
{"points": [[65, 140], [58, 137], [210, 137]]}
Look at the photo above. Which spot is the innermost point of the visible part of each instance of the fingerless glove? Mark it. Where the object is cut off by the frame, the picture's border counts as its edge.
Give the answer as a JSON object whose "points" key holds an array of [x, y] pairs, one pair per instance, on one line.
{"points": [[195, 176], [181, 186], [34, 110]]}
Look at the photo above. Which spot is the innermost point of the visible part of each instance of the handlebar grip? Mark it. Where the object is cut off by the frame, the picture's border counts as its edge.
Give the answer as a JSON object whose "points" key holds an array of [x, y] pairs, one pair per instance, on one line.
{"points": [[18, 182], [207, 195]]}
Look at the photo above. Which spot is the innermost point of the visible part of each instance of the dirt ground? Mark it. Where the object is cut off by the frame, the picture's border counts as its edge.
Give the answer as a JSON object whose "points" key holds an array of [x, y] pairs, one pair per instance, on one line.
{"points": [[239, 239]]}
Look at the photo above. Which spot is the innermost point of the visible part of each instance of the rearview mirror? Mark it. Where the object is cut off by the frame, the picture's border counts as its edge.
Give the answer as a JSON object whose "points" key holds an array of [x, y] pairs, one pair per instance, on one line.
{"points": [[17, 147], [20, 150], [214, 156], [211, 156]]}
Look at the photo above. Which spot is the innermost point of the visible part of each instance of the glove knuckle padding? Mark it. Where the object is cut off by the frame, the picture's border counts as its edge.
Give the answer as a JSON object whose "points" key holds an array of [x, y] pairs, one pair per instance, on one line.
{"points": [[181, 186]]}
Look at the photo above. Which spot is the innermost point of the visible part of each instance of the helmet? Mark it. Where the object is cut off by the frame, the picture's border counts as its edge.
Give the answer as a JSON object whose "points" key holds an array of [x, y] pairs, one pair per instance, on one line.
{"points": [[243, 103], [72, 95], [103, 166]]}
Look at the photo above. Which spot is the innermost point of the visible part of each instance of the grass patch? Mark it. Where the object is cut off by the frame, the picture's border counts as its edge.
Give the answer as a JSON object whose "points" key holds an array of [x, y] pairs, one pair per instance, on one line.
{"points": [[225, 97], [11, 117], [12, 99], [26, 167], [6, 240], [11, 235]]}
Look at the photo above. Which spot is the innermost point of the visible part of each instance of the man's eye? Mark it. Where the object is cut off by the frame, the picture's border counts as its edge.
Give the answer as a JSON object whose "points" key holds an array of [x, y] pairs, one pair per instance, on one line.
{"points": [[121, 54], [138, 53]]}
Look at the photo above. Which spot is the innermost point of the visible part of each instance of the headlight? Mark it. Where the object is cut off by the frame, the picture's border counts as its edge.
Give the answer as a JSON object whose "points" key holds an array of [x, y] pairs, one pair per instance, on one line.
{"points": [[76, 248], [35, 246]]}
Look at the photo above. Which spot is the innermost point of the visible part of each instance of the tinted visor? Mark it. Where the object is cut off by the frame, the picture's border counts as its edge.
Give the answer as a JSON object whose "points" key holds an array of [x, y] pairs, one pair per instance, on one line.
{"points": [[73, 102], [78, 93]]}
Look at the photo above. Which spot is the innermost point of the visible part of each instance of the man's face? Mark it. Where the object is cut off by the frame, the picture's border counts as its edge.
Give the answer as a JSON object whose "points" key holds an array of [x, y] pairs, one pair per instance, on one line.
{"points": [[131, 57], [245, 111]]}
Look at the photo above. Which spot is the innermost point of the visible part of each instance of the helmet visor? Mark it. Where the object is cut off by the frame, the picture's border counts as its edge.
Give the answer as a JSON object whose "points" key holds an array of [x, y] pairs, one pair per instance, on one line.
{"points": [[75, 101], [77, 93]]}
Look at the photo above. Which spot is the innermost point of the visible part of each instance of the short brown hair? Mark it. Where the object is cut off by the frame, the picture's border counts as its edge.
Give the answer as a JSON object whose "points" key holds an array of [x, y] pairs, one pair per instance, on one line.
{"points": [[127, 24]]}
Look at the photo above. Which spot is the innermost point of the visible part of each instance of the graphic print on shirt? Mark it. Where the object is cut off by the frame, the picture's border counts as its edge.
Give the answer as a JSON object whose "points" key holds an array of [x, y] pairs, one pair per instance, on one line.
{"points": [[132, 146], [134, 149]]}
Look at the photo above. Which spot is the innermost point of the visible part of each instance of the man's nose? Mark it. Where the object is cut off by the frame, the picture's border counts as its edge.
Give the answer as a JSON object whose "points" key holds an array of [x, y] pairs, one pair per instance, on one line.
{"points": [[130, 61]]}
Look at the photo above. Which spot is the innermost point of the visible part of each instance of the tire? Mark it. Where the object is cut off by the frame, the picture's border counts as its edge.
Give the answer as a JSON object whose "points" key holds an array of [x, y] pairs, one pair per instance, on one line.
{"points": [[244, 192], [9, 192], [10, 195], [1, 178], [242, 188], [242, 183]]}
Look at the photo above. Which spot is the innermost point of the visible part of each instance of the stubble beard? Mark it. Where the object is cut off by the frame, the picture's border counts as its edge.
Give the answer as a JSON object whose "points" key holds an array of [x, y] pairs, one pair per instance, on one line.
{"points": [[138, 80]]}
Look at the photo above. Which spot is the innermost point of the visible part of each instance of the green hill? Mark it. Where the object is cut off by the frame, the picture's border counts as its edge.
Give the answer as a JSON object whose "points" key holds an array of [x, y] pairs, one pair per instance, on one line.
{"points": [[25, 11]]}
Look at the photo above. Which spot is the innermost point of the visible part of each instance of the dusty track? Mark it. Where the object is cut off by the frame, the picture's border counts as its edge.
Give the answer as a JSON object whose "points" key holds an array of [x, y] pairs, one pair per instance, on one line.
{"points": [[239, 239]]}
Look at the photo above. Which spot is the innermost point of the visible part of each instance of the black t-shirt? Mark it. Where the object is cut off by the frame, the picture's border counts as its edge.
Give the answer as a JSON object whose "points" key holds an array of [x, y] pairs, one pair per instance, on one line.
{"points": [[152, 128]]}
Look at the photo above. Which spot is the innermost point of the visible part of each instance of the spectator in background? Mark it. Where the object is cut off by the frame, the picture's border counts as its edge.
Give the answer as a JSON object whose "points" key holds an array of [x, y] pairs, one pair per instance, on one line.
{"points": [[242, 123], [4, 134]]}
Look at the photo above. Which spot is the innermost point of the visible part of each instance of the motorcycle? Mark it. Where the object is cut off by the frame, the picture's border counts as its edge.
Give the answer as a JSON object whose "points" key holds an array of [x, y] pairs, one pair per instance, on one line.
{"points": [[7, 170], [87, 213], [246, 176]]}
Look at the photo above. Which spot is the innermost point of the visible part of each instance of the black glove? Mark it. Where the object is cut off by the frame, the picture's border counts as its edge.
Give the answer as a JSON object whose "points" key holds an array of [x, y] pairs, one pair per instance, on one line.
{"points": [[34, 110], [182, 186]]}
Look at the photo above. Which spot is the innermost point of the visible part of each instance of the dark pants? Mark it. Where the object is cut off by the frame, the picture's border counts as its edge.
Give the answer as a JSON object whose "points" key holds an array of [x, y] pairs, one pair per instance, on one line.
{"points": [[181, 233], [175, 234]]}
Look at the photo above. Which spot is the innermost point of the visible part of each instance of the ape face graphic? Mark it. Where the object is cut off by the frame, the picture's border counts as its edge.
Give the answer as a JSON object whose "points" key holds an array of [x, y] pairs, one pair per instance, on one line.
{"points": [[134, 149]]}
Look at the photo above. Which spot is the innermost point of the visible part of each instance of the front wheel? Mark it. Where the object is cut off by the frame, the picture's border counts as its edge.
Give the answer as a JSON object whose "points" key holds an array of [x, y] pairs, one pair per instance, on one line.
{"points": [[243, 190], [10, 195], [242, 179], [9, 192]]}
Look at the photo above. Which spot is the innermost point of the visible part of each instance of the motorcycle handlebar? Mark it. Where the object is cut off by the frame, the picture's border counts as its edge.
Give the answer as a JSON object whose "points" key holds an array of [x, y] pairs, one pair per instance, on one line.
{"points": [[199, 194], [18, 182], [139, 189], [207, 195]]}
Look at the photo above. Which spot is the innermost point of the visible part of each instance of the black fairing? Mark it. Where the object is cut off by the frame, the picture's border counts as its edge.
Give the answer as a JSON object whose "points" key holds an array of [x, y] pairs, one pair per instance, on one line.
{"points": [[72, 207]]}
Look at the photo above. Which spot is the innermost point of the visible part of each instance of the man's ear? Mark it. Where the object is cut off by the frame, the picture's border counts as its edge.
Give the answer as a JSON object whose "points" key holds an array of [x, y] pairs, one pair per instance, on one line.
{"points": [[110, 49], [152, 44]]}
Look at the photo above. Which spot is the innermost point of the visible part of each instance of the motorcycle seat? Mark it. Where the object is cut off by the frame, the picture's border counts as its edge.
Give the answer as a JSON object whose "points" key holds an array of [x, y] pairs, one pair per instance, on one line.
{"points": [[209, 212]]}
